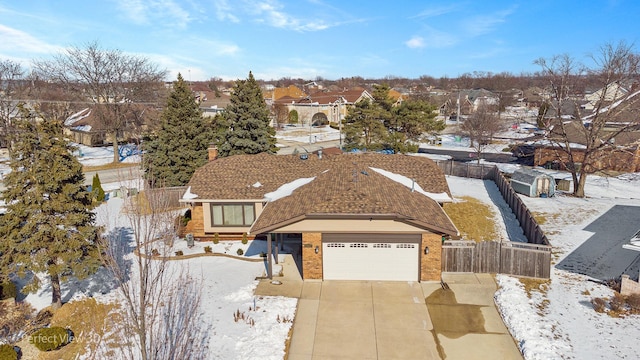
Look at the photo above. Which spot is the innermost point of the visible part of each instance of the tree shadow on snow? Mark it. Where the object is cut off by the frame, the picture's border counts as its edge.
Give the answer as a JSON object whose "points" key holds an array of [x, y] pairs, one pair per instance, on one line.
{"points": [[119, 242]]}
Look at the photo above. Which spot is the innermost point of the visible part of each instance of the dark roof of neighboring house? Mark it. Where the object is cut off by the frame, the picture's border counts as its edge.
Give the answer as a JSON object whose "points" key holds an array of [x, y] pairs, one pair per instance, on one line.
{"points": [[344, 185], [212, 100], [473, 94]]}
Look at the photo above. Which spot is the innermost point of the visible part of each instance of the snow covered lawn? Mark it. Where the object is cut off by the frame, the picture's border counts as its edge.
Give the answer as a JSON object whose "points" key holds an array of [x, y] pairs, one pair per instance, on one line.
{"points": [[556, 320], [227, 289]]}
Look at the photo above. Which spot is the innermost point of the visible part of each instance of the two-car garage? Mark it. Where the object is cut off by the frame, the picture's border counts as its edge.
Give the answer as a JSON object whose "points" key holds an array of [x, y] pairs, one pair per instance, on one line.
{"points": [[393, 257]]}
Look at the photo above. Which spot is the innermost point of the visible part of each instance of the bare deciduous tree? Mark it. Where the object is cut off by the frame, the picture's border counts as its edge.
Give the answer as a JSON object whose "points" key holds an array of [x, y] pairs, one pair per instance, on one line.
{"points": [[161, 299], [119, 83], [480, 127], [12, 86], [280, 114], [615, 68]]}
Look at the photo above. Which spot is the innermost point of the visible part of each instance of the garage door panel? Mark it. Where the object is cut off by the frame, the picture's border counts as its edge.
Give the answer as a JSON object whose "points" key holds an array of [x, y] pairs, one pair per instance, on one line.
{"points": [[370, 261]]}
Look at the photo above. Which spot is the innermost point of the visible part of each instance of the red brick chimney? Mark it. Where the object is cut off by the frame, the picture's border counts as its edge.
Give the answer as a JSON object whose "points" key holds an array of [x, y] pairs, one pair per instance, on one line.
{"points": [[213, 152]]}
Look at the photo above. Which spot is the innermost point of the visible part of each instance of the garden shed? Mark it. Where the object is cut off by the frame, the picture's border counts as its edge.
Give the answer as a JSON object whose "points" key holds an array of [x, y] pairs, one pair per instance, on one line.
{"points": [[533, 183]]}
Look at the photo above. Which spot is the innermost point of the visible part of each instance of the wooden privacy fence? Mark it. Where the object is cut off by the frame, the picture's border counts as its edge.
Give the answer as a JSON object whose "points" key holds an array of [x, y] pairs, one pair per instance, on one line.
{"points": [[519, 259], [528, 224], [466, 169], [165, 198]]}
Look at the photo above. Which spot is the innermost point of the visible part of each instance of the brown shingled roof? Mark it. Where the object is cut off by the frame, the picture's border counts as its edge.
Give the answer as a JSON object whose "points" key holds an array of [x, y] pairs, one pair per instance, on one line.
{"points": [[344, 185]]}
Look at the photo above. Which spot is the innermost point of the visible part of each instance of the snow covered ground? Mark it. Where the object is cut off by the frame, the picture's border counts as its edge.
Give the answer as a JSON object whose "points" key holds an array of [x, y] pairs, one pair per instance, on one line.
{"points": [[558, 320], [305, 134], [227, 287]]}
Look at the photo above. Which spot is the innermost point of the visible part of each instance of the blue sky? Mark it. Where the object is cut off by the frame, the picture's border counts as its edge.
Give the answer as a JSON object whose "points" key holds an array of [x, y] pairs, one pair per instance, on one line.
{"points": [[326, 38]]}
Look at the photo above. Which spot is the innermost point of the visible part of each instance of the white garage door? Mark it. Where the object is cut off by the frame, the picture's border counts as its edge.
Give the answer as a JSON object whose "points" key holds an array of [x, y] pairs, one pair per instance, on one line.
{"points": [[371, 258]]}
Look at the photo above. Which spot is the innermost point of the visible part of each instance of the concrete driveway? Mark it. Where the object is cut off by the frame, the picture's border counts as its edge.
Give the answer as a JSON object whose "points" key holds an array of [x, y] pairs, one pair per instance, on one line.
{"points": [[392, 320]]}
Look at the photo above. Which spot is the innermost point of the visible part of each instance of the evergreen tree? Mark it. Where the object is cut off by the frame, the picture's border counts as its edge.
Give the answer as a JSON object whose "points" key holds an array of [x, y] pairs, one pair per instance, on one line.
{"points": [[379, 124], [48, 227], [96, 189], [364, 126], [248, 118], [179, 147]]}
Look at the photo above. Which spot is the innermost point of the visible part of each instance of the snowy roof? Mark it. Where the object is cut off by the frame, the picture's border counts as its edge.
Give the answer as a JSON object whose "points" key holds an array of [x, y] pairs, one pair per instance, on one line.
{"points": [[366, 184], [82, 114], [411, 184]]}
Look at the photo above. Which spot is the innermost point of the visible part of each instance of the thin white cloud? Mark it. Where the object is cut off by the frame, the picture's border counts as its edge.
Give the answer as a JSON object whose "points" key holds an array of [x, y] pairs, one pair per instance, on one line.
{"points": [[272, 13], [14, 40], [432, 39], [437, 11], [134, 10], [144, 12], [223, 11], [415, 42], [484, 24]]}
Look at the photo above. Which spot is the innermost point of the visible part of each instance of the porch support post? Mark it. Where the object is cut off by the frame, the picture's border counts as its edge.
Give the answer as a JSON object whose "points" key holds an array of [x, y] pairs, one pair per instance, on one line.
{"points": [[277, 236], [269, 258]]}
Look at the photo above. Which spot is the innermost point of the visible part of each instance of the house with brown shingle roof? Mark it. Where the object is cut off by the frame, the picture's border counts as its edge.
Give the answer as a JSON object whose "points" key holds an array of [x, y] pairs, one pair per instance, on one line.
{"points": [[360, 216], [324, 107]]}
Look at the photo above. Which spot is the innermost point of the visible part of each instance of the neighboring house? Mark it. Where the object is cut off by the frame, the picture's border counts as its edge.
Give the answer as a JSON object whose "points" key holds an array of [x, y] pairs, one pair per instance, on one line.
{"points": [[608, 94], [87, 126], [290, 91], [363, 216], [454, 105], [82, 128], [466, 102], [209, 102], [324, 107], [621, 133]]}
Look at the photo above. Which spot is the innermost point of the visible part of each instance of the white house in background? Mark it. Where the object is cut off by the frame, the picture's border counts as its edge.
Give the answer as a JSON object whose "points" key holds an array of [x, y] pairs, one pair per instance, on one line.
{"points": [[609, 93]]}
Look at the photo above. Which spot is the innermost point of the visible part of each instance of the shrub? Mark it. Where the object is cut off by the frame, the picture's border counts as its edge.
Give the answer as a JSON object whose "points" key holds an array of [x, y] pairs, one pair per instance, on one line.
{"points": [[51, 338], [617, 302], [216, 238], [207, 249], [96, 189], [599, 304], [8, 290], [244, 238], [7, 352], [293, 117], [179, 253], [240, 252], [634, 302]]}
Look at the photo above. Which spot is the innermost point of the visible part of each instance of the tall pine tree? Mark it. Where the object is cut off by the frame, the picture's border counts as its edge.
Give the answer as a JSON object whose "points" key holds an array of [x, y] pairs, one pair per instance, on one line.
{"points": [[48, 227], [248, 119], [179, 147]]}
